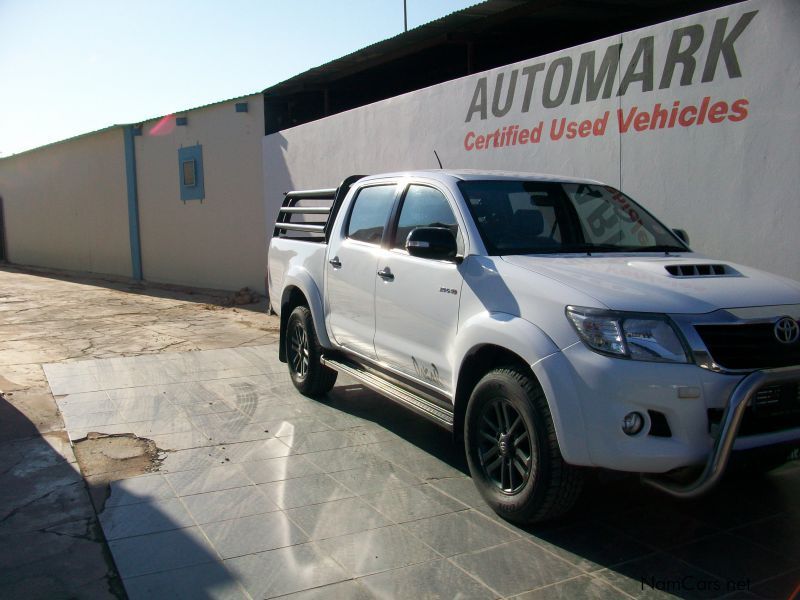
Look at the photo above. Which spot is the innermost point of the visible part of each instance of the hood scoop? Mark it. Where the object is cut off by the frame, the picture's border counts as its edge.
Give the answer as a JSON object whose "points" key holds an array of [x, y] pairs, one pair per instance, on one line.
{"points": [[701, 270]]}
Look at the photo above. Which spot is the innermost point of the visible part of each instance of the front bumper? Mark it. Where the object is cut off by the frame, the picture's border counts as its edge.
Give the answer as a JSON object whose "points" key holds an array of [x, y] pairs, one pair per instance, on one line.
{"points": [[726, 435], [590, 394]]}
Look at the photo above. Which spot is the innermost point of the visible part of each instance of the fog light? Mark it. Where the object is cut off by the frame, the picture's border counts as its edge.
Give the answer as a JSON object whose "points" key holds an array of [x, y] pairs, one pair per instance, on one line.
{"points": [[632, 423]]}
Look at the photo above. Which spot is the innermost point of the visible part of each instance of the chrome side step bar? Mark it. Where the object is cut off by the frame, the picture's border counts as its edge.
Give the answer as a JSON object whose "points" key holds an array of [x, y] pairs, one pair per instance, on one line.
{"points": [[726, 436], [409, 399]]}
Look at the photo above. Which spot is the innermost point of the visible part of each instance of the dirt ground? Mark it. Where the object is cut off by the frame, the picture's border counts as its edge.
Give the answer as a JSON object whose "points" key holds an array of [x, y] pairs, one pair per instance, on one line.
{"points": [[48, 317], [56, 318]]}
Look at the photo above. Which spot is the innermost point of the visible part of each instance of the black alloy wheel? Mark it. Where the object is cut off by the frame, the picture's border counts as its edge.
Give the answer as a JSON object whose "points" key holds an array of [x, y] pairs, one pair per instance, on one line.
{"points": [[304, 355], [512, 449], [506, 446], [298, 350]]}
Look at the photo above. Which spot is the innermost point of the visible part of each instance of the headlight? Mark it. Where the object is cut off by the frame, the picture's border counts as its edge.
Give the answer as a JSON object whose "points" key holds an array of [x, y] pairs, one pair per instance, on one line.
{"points": [[638, 336]]}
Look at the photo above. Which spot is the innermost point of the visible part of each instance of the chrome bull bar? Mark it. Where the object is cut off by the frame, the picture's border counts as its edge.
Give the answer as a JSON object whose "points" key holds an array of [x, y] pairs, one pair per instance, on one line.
{"points": [[726, 436]]}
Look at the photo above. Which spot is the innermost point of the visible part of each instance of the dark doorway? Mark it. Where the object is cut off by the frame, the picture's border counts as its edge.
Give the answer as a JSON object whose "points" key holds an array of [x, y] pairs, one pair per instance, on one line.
{"points": [[2, 234]]}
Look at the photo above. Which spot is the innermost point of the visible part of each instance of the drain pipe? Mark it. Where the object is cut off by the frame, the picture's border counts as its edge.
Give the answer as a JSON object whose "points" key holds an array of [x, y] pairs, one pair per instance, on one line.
{"points": [[133, 203]]}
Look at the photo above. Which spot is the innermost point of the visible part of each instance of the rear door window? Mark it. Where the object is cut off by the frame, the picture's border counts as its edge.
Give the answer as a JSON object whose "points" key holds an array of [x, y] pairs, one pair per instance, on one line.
{"points": [[370, 213]]}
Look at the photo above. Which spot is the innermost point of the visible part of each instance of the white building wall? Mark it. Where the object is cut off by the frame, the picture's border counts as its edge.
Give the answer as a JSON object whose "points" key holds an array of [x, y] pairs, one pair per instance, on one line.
{"points": [[65, 205], [220, 241], [732, 184]]}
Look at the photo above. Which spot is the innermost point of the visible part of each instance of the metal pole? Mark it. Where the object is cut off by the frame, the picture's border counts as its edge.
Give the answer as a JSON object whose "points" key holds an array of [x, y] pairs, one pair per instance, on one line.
{"points": [[405, 16]]}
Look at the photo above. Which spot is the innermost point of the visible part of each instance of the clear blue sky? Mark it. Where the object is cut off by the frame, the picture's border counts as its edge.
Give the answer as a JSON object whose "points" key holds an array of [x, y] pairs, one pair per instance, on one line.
{"points": [[70, 67]]}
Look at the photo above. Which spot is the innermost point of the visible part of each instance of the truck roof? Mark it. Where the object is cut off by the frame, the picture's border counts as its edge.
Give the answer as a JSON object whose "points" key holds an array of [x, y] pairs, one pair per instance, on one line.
{"points": [[450, 175]]}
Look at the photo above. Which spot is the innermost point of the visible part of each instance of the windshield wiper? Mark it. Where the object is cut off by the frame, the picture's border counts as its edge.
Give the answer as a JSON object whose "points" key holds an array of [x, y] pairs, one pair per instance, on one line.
{"points": [[589, 248], [657, 248]]}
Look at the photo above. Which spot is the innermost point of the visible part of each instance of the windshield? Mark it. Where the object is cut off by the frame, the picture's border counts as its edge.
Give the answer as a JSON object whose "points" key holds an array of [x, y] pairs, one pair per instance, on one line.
{"points": [[533, 217]]}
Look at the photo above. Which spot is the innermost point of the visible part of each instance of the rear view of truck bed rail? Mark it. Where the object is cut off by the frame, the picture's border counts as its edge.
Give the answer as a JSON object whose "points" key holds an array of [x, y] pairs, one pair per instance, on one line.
{"points": [[309, 213]]}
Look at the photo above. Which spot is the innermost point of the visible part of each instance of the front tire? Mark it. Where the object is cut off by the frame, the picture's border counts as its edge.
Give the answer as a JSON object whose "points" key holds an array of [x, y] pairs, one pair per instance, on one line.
{"points": [[512, 450], [303, 354]]}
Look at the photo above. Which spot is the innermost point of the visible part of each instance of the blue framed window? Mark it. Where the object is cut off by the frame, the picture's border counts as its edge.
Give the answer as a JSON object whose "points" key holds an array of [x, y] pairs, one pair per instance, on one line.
{"points": [[190, 173]]}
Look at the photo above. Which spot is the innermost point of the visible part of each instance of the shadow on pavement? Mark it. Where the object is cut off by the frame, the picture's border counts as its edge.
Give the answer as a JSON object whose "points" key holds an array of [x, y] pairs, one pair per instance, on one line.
{"points": [[159, 550], [51, 545], [358, 401], [740, 541]]}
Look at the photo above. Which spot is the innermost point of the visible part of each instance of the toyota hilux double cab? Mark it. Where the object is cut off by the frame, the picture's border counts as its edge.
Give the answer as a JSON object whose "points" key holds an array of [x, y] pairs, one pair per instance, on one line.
{"points": [[551, 323]]}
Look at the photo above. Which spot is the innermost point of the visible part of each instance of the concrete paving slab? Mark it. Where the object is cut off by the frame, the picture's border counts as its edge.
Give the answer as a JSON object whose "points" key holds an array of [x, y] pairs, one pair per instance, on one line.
{"points": [[461, 532], [345, 590], [253, 533], [144, 517], [285, 570], [255, 450], [183, 440], [208, 581], [377, 550], [303, 491], [199, 481], [145, 488], [412, 503], [162, 551], [279, 469], [417, 581], [227, 504], [516, 567], [584, 586], [343, 459], [192, 458], [337, 517], [375, 476], [304, 443]]}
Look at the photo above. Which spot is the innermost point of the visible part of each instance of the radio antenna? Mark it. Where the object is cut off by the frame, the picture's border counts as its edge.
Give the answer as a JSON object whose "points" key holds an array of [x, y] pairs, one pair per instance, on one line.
{"points": [[438, 159]]}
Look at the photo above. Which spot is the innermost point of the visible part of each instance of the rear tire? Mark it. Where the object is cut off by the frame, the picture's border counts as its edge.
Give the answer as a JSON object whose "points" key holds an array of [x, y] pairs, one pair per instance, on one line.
{"points": [[512, 450], [303, 354]]}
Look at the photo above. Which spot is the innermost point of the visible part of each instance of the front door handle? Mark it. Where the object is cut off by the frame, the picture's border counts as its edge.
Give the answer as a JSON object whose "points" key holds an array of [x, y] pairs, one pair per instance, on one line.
{"points": [[335, 262], [386, 274]]}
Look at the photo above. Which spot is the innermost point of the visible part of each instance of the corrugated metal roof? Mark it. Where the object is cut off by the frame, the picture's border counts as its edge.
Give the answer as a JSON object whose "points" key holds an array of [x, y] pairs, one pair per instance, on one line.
{"points": [[187, 110], [407, 42], [121, 125], [64, 141]]}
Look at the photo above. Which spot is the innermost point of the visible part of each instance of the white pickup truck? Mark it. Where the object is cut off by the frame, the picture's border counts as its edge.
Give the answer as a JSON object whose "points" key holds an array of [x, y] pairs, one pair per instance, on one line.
{"points": [[551, 322]]}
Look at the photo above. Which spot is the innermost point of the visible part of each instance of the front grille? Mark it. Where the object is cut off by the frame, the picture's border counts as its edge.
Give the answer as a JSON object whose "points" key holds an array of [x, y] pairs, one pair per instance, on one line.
{"points": [[773, 408], [752, 346]]}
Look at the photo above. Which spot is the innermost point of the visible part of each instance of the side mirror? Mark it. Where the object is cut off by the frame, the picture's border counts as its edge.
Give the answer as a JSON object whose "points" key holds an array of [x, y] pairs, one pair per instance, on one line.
{"points": [[437, 243], [684, 237]]}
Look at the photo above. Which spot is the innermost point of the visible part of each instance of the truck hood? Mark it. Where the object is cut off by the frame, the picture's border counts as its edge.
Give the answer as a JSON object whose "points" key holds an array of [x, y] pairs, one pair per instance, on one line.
{"points": [[644, 282]]}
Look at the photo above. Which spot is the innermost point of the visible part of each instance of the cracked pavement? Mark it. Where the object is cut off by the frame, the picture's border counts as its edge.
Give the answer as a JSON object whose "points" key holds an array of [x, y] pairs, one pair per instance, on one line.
{"points": [[51, 544]]}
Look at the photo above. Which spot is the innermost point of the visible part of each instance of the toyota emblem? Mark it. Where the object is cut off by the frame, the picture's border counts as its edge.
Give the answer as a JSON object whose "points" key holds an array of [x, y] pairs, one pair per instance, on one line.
{"points": [[787, 330]]}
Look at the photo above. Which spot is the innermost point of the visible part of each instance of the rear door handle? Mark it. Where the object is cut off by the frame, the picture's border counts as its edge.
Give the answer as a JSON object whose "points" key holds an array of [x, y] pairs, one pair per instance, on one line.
{"points": [[386, 274], [335, 262]]}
